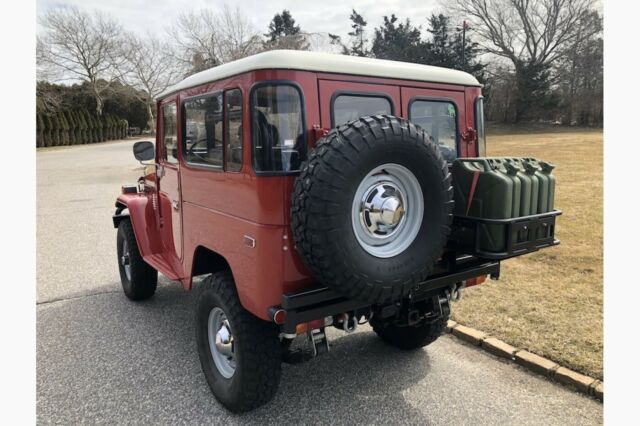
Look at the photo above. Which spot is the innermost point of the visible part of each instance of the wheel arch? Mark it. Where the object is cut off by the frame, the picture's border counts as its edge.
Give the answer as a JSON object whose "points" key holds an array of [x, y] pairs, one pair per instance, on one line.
{"points": [[208, 261], [139, 211]]}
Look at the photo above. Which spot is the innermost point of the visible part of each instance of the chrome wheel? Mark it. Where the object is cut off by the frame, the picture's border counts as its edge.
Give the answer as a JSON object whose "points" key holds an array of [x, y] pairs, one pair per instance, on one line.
{"points": [[125, 259], [387, 210], [221, 343]]}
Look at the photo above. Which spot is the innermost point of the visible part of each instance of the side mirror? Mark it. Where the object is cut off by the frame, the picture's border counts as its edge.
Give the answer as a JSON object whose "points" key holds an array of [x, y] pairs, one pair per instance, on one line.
{"points": [[144, 151]]}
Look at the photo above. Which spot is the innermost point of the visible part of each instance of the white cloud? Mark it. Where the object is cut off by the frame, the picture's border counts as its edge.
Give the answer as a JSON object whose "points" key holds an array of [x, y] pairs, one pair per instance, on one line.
{"points": [[313, 16]]}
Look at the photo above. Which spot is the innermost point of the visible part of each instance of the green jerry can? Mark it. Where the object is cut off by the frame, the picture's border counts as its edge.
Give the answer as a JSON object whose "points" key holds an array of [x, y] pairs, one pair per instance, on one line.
{"points": [[501, 188], [547, 189], [547, 181], [482, 190], [515, 166]]}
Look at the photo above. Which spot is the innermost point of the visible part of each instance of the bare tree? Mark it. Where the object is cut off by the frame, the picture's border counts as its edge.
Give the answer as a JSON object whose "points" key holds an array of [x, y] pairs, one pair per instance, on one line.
{"points": [[79, 46], [150, 67], [530, 34], [207, 39]]}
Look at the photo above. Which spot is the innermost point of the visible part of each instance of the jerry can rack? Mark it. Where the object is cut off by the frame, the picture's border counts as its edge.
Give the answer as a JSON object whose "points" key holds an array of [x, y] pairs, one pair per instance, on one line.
{"points": [[522, 235]]}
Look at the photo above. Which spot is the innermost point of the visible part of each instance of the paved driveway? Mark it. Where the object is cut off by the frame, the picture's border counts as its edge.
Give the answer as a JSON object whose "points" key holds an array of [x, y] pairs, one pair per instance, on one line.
{"points": [[104, 359]]}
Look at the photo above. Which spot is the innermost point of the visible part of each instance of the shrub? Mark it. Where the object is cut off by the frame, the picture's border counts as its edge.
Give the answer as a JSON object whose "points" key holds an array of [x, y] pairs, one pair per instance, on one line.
{"points": [[82, 126], [93, 135], [55, 127], [48, 130], [100, 128], [64, 129], [109, 127], [72, 126], [39, 130], [124, 128]]}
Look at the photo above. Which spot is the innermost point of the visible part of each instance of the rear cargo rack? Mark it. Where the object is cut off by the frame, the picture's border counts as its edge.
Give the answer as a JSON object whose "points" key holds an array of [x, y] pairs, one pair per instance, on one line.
{"points": [[522, 235]]}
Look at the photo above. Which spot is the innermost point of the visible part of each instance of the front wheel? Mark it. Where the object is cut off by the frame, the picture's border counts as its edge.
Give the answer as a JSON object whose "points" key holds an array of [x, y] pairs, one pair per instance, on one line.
{"points": [[240, 354], [139, 279]]}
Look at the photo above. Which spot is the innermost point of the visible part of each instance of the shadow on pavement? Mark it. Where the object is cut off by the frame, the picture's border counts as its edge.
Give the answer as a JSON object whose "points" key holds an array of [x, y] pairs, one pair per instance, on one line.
{"points": [[102, 357]]}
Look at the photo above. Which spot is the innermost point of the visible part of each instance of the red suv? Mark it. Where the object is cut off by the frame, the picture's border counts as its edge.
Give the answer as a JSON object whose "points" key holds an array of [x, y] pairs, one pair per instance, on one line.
{"points": [[313, 190]]}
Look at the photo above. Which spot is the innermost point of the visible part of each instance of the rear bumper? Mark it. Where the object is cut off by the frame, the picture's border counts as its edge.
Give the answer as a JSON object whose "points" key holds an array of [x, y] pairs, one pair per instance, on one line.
{"points": [[322, 302]]}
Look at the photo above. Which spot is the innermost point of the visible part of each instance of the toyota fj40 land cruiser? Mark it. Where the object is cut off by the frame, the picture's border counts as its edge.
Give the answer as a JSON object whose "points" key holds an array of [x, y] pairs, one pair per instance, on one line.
{"points": [[321, 190]]}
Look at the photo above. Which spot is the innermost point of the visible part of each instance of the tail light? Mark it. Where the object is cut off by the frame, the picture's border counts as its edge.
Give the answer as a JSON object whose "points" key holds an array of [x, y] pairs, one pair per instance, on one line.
{"points": [[475, 281]]}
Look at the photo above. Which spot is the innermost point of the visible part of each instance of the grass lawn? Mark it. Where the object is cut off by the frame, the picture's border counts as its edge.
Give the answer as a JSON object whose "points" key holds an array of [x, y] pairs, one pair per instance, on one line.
{"points": [[550, 302]]}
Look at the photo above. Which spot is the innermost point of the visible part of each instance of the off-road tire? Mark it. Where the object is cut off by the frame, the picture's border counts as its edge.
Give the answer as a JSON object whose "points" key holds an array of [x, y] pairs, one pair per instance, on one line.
{"points": [[256, 345], [322, 208], [144, 278], [411, 337]]}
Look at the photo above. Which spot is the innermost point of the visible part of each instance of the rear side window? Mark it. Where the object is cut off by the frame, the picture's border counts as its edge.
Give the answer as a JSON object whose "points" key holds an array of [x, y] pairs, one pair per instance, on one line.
{"points": [[482, 136], [278, 136], [439, 120], [233, 102], [169, 133], [351, 107], [203, 144]]}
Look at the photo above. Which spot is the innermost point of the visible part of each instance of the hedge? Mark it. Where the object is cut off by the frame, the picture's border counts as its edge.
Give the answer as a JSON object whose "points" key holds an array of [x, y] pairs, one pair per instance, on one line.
{"points": [[74, 127], [39, 130]]}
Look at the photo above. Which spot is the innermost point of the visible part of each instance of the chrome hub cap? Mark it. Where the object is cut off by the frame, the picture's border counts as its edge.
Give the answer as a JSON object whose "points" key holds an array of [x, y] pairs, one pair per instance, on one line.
{"points": [[221, 343], [387, 210], [125, 260], [381, 209]]}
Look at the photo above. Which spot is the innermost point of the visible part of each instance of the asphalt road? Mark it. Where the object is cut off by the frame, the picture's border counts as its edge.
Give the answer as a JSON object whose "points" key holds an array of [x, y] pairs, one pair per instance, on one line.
{"points": [[102, 359]]}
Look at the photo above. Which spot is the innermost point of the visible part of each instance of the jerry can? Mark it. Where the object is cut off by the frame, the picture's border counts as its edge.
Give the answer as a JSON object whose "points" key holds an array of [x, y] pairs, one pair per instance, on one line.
{"points": [[502, 188], [482, 190]]}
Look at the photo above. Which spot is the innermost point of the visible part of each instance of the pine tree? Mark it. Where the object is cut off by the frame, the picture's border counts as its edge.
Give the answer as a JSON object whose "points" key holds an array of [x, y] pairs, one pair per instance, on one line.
{"points": [[398, 41], [285, 34]]}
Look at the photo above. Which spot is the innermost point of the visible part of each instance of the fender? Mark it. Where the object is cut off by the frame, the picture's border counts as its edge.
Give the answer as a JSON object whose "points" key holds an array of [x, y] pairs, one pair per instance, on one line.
{"points": [[143, 220]]}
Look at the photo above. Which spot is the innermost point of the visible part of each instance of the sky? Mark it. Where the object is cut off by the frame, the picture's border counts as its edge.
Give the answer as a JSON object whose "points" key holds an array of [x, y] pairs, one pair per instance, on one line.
{"points": [[332, 16]]}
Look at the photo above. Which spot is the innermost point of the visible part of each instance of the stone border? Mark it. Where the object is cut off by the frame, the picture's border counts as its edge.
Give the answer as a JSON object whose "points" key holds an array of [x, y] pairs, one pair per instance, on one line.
{"points": [[528, 360]]}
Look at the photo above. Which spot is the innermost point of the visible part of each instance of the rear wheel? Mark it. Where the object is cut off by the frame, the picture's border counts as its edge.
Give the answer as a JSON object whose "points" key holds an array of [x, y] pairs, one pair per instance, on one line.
{"points": [[239, 353], [139, 279], [411, 336]]}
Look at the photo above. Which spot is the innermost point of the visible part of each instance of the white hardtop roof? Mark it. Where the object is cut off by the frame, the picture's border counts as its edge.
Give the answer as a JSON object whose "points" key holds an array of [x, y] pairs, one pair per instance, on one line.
{"points": [[326, 62]]}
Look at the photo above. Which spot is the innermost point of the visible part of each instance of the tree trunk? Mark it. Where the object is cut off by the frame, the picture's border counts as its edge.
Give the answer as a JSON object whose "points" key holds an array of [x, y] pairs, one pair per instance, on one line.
{"points": [[98, 101], [151, 121]]}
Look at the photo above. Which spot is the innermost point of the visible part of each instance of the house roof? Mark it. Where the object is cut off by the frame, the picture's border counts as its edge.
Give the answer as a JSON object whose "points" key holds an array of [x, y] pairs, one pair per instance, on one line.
{"points": [[326, 62]]}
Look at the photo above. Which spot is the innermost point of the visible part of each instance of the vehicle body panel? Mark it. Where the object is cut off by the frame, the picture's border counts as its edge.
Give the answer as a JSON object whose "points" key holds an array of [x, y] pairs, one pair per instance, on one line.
{"points": [[224, 211]]}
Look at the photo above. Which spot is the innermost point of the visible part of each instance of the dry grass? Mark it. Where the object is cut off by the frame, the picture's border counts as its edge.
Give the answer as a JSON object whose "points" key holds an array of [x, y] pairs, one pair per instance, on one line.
{"points": [[550, 302]]}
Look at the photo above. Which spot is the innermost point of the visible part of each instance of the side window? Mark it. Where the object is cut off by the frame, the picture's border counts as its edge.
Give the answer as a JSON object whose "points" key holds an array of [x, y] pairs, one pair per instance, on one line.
{"points": [[438, 119], [351, 107], [233, 102], [203, 143], [278, 132], [169, 133]]}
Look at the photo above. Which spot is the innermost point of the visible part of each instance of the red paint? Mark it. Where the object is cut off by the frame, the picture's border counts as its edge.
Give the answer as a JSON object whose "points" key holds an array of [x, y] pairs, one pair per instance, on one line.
{"points": [[216, 210]]}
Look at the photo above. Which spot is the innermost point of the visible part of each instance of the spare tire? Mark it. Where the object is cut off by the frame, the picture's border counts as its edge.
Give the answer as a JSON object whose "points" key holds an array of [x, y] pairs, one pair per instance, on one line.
{"points": [[372, 208]]}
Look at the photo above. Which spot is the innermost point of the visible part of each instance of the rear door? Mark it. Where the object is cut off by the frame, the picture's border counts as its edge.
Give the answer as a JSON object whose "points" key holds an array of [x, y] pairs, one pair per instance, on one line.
{"points": [[341, 101]]}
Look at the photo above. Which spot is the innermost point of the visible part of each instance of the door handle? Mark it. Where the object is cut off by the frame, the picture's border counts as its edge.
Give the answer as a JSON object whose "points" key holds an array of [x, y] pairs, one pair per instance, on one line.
{"points": [[175, 205]]}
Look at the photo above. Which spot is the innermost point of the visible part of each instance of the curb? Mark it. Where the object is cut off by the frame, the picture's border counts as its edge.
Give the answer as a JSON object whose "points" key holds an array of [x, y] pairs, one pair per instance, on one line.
{"points": [[528, 360]]}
